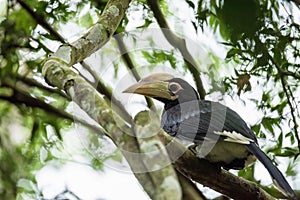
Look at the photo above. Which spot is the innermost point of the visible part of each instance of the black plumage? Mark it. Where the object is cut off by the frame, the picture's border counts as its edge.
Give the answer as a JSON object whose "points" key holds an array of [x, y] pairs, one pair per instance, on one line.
{"points": [[196, 120], [217, 132]]}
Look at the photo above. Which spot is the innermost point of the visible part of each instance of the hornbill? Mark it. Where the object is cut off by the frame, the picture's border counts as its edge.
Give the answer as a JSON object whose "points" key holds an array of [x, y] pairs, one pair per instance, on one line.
{"points": [[217, 132]]}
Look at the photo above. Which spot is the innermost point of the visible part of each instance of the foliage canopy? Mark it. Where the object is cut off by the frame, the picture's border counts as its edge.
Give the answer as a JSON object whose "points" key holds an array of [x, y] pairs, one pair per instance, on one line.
{"points": [[259, 63]]}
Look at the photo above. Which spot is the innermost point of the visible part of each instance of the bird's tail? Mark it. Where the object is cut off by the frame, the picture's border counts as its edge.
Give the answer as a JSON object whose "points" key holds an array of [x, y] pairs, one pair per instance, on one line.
{"points": [[278, 179]]}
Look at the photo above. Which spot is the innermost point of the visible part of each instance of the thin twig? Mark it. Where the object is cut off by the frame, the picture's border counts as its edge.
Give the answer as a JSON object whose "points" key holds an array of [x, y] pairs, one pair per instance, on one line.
{"points": [[40, 19], [284, 86], [66, 191], [288, 73], [126, 57], [131, 66], [291, 108], [297, 2]]}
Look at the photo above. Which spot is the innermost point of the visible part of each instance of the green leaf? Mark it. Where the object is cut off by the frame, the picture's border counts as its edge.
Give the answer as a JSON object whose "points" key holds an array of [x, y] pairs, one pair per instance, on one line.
{"points": [[279, 140], [291, 136], [268, 31], [268, 123], [86, 20], [190, 3], [97, 164], [262, 60], [279, 108], [117, 156], [232, 52], [49, 36], [288, 152], [147, 22], [291, 170], [256, 128], [23, 21], [248, 173]]}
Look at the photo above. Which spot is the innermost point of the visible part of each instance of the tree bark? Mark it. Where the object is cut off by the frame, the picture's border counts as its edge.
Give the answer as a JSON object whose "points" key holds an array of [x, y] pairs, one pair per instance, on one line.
{"points": [[57, 73]]}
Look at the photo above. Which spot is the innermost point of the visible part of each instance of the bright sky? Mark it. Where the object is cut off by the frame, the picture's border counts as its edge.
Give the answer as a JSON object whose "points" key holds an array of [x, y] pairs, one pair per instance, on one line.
{"points": [[88, 183], [3, 7]]}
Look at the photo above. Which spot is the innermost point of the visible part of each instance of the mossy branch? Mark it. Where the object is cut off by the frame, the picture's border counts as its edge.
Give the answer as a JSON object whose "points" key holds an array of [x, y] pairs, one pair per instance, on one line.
{"points": [[96, 37]]}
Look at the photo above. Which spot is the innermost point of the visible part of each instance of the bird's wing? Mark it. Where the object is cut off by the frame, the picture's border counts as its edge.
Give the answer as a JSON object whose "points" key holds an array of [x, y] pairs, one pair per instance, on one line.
{"points": [[199, 120], [205, 120]]}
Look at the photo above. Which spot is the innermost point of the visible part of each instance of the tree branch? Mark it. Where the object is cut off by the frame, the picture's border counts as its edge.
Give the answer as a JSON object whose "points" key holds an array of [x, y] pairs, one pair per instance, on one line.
{"points": [[96, 37], [100, 85], [210, 175], [40, 19], [131, 66], [281, 73], [106, 90], [32, 82], [189, 189], [285, 89], [57, 73], [21, 96], [96, 107], [164, 181], [288, 73], [178, 43], [199, 170], [297, 2]]}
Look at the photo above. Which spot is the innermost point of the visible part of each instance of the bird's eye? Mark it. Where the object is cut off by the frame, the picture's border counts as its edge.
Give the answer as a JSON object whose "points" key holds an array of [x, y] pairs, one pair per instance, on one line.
{"points": [[174, 87]]}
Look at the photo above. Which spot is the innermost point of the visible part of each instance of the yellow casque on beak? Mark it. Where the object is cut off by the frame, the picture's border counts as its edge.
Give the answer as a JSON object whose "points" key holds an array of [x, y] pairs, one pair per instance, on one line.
{"points": [[155, 85]]}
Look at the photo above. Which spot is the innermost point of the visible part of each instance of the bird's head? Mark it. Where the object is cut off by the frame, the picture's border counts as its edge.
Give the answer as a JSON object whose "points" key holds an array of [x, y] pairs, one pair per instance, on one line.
{"points": [[165, 88]]}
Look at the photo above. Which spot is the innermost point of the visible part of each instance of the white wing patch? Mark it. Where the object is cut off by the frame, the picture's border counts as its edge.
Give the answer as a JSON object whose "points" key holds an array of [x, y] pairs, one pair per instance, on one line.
{"points": [[234, 137]]}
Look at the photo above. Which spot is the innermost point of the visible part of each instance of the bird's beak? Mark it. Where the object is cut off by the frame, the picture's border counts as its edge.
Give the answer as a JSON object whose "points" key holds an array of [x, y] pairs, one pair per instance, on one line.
{"points": [[155, 86]]}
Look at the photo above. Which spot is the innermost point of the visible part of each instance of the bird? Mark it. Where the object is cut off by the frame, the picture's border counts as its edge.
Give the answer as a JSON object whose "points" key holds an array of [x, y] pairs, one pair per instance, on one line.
{"points": [[216, 132]]}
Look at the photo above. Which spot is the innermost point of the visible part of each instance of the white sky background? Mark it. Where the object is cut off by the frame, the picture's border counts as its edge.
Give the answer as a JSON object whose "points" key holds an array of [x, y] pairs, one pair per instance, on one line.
{"points": [[3, 7], [114, 184]]}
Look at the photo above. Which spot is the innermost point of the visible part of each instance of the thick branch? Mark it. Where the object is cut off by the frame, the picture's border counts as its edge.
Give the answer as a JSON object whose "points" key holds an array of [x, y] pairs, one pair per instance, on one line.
{"points": [[164, 181], [198, 170], [158, 161], [96, 37], [57, 73], [100, 85], [96, 107], [21, 96], [178, 43], [33, 82], [90, 42], [210, 175], [106, 90], [189, 189]]}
